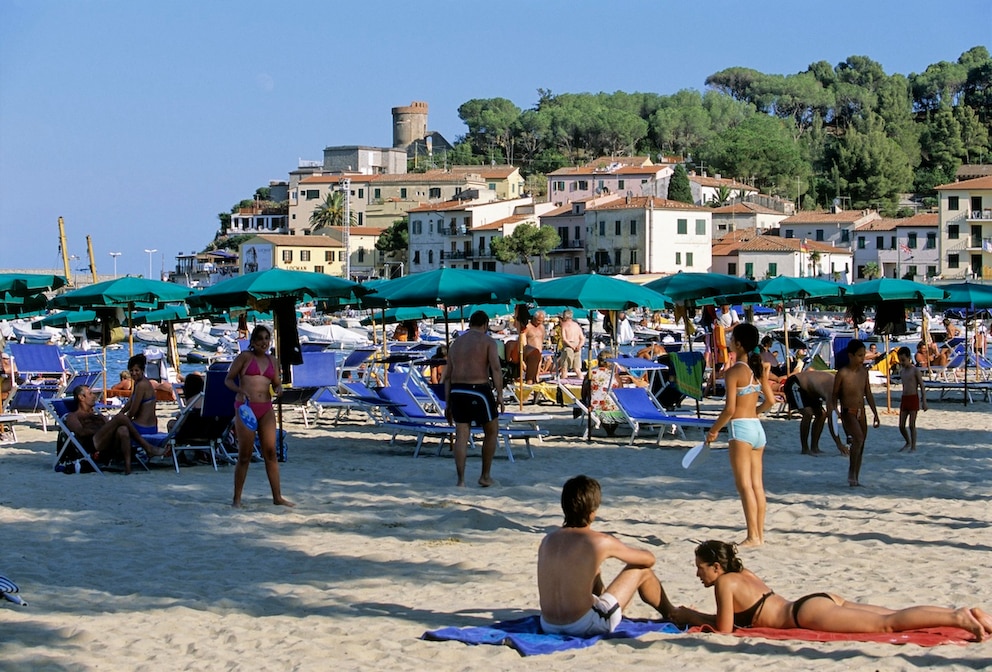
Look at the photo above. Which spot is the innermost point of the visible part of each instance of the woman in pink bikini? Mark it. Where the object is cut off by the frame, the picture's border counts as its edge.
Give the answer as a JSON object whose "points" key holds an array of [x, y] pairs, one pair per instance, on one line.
{"points": [[254, 377]]}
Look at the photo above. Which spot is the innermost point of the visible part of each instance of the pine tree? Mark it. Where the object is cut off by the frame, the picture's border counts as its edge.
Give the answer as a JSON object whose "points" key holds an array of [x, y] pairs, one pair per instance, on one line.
{"points": [[679, 188]]}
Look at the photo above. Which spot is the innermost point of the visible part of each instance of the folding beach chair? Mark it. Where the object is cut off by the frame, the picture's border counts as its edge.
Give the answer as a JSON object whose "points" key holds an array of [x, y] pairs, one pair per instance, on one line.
{"points": [[69, 447], [43, 375], [217, 414], [641, 409], [689, 368], [318, 371]]}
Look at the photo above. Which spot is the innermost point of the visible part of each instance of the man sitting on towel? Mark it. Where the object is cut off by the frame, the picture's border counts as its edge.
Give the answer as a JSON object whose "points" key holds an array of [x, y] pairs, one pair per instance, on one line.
{"points": [[573, 599]]}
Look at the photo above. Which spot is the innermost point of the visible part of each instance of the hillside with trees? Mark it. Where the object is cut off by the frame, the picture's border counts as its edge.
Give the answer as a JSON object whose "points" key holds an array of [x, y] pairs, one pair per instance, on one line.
{"points": [[849, 130]]}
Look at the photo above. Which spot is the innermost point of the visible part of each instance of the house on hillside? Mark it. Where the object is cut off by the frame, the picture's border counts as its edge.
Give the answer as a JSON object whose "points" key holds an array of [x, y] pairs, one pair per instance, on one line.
{"points": [[744, 215], [899, 247], [365, 260], [569, 221], [705, 189], [725, 251], [834, 227], [965, 216], [634, 176], [770, 256], [317, 254]]}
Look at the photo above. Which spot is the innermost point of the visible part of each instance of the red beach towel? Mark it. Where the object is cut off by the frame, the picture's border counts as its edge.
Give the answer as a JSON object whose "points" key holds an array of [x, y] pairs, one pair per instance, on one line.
{"points": [[923, 637]]}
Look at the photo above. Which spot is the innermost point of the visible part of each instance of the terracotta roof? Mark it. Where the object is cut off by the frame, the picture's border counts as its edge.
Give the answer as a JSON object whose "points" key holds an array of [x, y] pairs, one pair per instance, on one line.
{"points": [[579, 171], [745, 209], [336, 179], [604, 161], [720, 182], [731, 242], [559, 211], [642, 202], [437, 207], [969, 171], [776, 244], [977, 183], [488, 172], [500, 223], [826, 217], [313, 240], [888, 223], [429, 177]]}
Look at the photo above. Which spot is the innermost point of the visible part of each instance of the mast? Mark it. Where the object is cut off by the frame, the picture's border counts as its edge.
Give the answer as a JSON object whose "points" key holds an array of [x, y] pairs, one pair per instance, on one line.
{"points": [[89, 248], [65, 252]]}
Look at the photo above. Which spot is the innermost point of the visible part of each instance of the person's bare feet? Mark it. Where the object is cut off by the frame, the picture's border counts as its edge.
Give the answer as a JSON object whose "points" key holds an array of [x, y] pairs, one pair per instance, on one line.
{"points": [[486, 482], [236, 504], [904, 448], [853, 483], [282, 501], [984, 618], [968, 621], [751, 542], [844, 450]]}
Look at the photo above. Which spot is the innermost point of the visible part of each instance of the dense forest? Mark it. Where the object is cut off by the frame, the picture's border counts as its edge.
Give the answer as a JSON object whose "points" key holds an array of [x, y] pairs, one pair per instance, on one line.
{"points": [[848, 131]]}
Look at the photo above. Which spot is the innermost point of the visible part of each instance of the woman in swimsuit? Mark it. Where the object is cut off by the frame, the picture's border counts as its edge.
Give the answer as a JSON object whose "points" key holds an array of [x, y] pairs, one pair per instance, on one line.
{"points": [[743, 600], [254, 377], [747, 436]]}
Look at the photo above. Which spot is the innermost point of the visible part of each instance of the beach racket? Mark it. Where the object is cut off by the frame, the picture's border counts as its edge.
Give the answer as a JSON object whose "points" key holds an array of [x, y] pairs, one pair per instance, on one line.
{"points": [[248, 417], [696, 455]]}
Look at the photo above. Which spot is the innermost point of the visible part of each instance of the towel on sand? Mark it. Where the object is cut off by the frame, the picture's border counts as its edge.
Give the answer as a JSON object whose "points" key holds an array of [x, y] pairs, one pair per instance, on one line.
{"points": [[922, 637], [524, 635]]}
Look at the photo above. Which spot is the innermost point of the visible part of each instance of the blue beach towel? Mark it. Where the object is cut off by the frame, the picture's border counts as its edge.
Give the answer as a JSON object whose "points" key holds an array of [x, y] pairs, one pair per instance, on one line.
{"points": [[524, 635]]}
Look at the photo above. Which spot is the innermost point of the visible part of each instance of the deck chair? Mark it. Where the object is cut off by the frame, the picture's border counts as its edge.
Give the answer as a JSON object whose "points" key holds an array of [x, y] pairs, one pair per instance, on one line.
{"points": [[43, 375], [641, 409], [318, 371], [217, 414], [689, 368], [190, 431], [70, 448]]}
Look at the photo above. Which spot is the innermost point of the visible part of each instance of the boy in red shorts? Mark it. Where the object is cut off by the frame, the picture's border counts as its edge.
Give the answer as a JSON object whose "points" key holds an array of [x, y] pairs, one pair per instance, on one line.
{"points": [[914, 396]]}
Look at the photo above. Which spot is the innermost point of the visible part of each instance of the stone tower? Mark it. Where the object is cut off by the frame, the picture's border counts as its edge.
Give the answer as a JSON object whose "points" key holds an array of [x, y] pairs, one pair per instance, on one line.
{"points": [[409, 124]]}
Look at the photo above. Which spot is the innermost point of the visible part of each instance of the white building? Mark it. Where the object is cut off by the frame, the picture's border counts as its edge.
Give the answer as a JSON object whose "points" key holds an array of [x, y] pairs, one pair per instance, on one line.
{"points": [[769, 256], [634, 175], [966, 229], [835, 227], [745, 215], [899, 247], [648, 235]]}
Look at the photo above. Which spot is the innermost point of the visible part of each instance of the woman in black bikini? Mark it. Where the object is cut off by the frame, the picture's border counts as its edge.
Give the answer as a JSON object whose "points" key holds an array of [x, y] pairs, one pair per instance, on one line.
{"points": [[254, 377], [743, 600]]}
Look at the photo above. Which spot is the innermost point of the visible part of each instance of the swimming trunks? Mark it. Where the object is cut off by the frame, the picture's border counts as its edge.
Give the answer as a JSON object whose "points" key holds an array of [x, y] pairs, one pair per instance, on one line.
{"points": [[748, 430], [568, 359], [603, 617], [744, 619], [798, 604], [145, 429], [909, 402], [472, 403], [253, 370], [799, 398]]}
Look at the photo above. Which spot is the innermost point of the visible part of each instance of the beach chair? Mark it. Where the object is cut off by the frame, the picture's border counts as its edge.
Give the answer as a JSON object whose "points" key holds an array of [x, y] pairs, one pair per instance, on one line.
{"points": [[641, 409], [191, 431], [689, 369], [43, 375], [317, 372], [8, 427], [69, 447], [217, 414]]}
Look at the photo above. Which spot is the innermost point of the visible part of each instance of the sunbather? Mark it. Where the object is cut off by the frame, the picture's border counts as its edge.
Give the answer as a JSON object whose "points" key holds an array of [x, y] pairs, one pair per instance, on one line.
{"points": [[744, 600]]}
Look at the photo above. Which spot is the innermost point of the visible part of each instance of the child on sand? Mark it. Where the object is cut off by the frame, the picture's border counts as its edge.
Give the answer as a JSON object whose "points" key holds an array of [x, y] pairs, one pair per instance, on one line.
{"points": [[914, 396], [573, 600], [851, 388]]}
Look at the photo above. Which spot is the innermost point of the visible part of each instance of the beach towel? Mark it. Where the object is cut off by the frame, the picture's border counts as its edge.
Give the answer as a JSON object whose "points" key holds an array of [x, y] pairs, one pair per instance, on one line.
{"points": [[688, 367], [524, 635], [922, 637]]}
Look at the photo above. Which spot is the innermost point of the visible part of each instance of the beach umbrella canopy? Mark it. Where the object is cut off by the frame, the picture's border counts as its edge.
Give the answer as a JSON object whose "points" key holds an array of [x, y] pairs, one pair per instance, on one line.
{"points": [[177, 313], [393, 315], [13, 306], [890, 289], [122, 292], [966, 295], [449, 287], [596, 292], [64, 318], [256, 290], [23, 284], [784, 288], [691, 287]]}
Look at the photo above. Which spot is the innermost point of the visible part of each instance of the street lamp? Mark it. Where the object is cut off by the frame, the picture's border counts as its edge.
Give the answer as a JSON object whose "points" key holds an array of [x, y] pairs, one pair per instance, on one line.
{"points": [[150, 253], [115, 255]]}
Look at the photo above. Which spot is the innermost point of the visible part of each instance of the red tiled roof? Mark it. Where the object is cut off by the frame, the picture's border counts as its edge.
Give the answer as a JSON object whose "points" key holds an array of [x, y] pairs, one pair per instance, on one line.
{"points": [[642, 202], [313, 240], [977, 183], [889, 223], [500, 223], [708, 181], [826, 217], [745, 209], [488, 172], [776, 244], [336, 179]]}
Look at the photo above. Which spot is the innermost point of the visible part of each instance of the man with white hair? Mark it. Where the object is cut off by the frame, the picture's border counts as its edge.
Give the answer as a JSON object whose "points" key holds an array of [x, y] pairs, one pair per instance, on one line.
{"points": [[572, 339]]}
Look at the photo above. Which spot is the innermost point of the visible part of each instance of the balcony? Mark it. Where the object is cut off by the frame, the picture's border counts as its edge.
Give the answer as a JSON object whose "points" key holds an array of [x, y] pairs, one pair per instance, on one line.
{"points": [[980, 215], [570, 245], [458, 230]]}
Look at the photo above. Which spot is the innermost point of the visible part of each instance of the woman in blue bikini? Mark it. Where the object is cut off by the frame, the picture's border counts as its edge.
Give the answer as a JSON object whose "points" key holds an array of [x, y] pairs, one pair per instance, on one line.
{"points": [[254, 377], [743, 382], [743, 600]]}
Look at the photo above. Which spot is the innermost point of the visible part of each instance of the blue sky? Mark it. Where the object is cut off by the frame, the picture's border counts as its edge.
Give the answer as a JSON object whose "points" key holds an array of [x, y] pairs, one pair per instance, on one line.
{"points": [[139, 121]]}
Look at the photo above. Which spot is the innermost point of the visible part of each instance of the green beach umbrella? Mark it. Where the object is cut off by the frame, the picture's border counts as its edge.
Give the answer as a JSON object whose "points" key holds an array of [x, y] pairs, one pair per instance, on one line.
{"points": [[691, 287], [970, 298], [64, 318], [23, 284], [890, 289]]}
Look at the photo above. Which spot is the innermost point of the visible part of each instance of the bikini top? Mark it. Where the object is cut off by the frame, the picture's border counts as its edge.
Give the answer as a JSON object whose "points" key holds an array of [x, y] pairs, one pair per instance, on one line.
{"points": [[253, 370], [755, 386], [744, 619]]}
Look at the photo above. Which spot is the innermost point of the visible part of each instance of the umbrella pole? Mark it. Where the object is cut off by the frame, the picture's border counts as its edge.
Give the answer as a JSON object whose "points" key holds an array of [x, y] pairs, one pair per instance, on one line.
{"points": [[966, 359], [130, 329], [888, 378], [522, 368], [589, 381], [785, 330]]}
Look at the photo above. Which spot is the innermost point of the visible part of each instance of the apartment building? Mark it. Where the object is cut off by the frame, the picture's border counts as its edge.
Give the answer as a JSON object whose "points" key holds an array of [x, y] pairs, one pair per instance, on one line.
{"points": [[707, 188], [633, 175], [743, 216], [965, 221], [835, 227], [901, 248], [317, 254], [770, 256]]}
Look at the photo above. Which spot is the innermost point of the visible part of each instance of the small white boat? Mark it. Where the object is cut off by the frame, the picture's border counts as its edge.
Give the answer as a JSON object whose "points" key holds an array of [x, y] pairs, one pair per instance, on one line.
{"points": [[24, 332]]}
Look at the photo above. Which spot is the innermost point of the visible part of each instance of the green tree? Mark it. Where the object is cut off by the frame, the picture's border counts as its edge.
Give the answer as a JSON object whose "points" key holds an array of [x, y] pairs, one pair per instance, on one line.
{"points": [[871, 270], [721, 197], [225, 222], [526, 241], [679, 188], [872, 168], [395, 240], [762, 147], [330, 212], [490, 124]]}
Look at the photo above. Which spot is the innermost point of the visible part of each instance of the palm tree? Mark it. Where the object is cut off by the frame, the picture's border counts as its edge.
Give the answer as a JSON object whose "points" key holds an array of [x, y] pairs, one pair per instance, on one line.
{"points": [[871, 270], [721, 197], [330, 212]]}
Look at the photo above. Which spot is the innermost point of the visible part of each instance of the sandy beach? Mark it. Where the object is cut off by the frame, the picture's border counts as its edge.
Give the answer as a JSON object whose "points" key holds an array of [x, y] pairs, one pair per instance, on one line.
{"points": [[155, 571]]}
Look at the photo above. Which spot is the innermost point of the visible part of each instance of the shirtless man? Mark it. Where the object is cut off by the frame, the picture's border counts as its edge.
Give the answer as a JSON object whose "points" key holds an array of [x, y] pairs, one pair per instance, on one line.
{"points": [[573, 599], [533, 336], [806, 391], [471, 374], [850, 389], [140, 406], [572, 340], [111, 437]]}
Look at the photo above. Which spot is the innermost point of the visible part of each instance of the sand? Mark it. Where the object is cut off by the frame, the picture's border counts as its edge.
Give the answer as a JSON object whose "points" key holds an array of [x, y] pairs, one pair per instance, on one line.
{"points": [[155, 571]]}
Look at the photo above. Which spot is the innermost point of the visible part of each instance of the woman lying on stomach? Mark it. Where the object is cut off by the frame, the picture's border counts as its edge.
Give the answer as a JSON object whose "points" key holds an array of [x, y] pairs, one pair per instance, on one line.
{"points": [[744, 600]]}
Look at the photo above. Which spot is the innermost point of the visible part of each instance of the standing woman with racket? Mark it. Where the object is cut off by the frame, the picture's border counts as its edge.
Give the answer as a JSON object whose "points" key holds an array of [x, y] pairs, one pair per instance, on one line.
{"points": [[743, 381]]}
